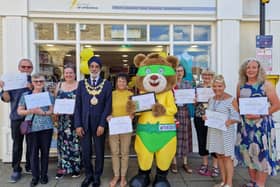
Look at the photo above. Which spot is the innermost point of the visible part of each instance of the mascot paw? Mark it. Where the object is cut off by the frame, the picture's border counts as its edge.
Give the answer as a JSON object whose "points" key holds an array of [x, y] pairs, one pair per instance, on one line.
{"points": [[158, 110], [140, 180], [130, 107]]}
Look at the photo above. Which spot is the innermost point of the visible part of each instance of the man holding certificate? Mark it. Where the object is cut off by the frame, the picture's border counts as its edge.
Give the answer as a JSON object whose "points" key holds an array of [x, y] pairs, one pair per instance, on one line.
{"points": [[120, 141], [13, 96], [93, 106], [256, 143], [221, 122]]}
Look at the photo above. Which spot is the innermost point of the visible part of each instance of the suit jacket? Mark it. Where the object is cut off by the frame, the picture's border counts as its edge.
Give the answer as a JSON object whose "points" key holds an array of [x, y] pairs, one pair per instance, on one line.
{"points": [[84, 110]]}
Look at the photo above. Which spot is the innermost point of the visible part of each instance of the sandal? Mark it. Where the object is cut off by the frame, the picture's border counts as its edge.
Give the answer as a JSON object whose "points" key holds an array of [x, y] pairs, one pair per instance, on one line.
{"points": [[221, 184], [250, 184], [203, 170], [114, 181], [174, 168], [215, 172], [187, 169]]}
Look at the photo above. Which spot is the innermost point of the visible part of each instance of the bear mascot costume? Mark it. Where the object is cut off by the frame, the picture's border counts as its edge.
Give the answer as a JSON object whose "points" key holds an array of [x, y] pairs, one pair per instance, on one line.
{"points": [[156, 130]]}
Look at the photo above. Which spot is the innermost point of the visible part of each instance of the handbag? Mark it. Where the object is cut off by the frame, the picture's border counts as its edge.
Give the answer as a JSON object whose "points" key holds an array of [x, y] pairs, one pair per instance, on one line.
{"points": [[26, 126]]}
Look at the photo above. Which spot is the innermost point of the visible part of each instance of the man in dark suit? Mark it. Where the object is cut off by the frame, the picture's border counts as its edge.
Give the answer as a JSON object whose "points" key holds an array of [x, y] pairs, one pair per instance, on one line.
{"points": [[93, 105]]}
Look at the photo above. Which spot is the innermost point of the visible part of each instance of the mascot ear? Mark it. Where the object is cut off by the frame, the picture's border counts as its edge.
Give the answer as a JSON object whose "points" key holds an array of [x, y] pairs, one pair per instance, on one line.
{"points": [[138, 59], [173, 61]]}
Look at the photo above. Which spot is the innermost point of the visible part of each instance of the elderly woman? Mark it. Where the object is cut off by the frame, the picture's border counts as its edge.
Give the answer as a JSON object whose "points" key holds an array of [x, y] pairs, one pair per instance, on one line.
{"points": [[41, 134], [201, 129], [219, 141], [256, 140], [68, 144]]}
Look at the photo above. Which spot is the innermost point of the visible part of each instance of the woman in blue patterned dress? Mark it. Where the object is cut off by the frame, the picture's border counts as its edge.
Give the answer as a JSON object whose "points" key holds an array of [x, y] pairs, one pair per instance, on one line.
{"points": [[68, 146], [256, 139]]}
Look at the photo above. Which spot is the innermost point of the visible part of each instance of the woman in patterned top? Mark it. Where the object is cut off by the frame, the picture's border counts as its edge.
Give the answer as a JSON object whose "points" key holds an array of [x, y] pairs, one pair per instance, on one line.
{"points": [[256, 138], [201, 129]]}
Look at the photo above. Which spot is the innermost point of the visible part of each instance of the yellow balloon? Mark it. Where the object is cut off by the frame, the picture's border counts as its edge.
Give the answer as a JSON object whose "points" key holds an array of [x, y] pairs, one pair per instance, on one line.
{"points": [[84, 67], [163, 54], [86, 54]]}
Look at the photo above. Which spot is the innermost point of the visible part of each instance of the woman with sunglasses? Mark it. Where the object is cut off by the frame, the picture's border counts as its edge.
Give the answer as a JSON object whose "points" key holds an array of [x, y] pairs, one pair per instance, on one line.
{"points": [[68, 144], [40, 137]]}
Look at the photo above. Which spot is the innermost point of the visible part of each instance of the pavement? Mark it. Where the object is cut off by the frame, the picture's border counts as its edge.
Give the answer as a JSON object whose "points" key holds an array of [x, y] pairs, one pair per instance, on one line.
{"points": [[181, 179]]}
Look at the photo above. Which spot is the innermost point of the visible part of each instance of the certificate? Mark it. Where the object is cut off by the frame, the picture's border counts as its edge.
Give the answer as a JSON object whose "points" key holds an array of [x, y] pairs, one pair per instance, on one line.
{"points": [[184, 96], [37, 100], [203, 94], [253, 105], [216, 120], [14, 81], [120, 125], [144, 102], [64, 106]]}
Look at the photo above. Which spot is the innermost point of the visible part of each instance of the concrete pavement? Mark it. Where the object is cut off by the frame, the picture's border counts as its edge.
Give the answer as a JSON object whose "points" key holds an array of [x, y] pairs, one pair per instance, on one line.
{"points": [[177, 180]]}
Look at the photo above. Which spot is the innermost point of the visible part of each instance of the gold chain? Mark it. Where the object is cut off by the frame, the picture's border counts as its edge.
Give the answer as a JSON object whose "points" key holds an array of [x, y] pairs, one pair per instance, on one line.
{"points": [[94, 90]]}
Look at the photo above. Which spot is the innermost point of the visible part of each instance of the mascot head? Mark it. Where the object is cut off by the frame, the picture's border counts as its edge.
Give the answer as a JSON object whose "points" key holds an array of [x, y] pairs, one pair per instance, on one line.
{"points": [[155, 73]]}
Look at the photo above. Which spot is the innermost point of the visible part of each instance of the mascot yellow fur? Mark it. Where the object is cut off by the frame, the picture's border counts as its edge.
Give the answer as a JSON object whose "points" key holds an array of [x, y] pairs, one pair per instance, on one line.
{"points": [[156, 131]]}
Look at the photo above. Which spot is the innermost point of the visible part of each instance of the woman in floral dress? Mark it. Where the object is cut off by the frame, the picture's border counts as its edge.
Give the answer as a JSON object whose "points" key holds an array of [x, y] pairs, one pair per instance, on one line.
{"points": [[68, 146], [256, 138]]}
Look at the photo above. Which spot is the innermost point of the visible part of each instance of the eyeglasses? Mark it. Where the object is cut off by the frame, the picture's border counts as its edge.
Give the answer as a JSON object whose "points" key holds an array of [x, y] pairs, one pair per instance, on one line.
{"points": [[26, 67], [38, 81]]}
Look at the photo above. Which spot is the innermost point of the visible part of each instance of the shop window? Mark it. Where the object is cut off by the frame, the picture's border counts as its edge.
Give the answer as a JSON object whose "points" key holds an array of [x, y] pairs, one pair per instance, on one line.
{"points": [[159, 33], [66, 31], [194, 58], [90, 31], [182, 33], [52, 59], [44, 31], [136, 32], [114, 32], [202, 33]]}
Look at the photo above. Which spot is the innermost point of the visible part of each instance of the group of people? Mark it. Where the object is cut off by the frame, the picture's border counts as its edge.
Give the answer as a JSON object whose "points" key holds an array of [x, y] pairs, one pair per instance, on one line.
{"points": [[249, 138]]}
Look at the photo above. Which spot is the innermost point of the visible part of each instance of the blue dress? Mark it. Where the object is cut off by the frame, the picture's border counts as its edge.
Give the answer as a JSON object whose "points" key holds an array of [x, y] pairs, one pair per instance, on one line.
{"points": [[256, 139], [68, 145]]}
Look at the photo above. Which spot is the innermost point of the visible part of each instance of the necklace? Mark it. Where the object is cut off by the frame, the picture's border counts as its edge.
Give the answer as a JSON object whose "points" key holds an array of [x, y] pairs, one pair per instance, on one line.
{"points": [[217, 102], [94, 90]]}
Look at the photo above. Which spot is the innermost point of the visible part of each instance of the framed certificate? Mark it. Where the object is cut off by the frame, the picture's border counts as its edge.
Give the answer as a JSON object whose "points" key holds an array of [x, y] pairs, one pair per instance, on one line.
{"points": [[144, 102], [184, 96], [253, 105], [216, 120], [120, 125], [64, 106]]}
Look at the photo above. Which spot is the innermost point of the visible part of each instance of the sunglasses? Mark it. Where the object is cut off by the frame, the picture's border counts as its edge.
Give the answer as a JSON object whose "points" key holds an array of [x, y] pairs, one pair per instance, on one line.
{"points": [[26, 67], [38, 81]]}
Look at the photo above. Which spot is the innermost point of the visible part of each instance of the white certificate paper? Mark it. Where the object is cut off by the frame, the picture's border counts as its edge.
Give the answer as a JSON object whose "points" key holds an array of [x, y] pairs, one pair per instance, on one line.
{"points": [[184, 96], [120, 125], [253, 105], [64, 106], [216, 120], [14, 81], [203, 94], [37, 100], [144, 102]]}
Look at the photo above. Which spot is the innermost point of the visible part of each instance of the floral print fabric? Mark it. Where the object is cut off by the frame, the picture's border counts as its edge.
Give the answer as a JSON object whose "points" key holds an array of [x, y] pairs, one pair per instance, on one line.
{"points": [[256, 139], [68, 145]]}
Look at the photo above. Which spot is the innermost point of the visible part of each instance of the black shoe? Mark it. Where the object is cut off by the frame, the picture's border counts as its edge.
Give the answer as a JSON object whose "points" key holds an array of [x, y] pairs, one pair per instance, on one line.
{"points": [[27, 169], [86, 182], [34, 182], [140, 180], [96, 182], [44, 179]]}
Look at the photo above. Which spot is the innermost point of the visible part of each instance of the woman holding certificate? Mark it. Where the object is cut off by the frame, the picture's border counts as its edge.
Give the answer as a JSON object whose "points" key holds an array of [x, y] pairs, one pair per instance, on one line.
{"points": [[184, 130], [221, 136], [201, 128], [42, 129], [120, 143], [256, 138], [68, 144]]}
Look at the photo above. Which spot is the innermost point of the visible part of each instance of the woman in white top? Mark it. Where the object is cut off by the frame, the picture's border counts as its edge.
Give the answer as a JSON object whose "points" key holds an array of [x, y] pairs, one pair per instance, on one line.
{"points": [[219, 141]]}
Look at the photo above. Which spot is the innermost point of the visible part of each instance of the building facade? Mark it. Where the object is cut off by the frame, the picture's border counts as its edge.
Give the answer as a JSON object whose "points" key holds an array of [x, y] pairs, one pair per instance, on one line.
{"points": [[213, 34]]}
